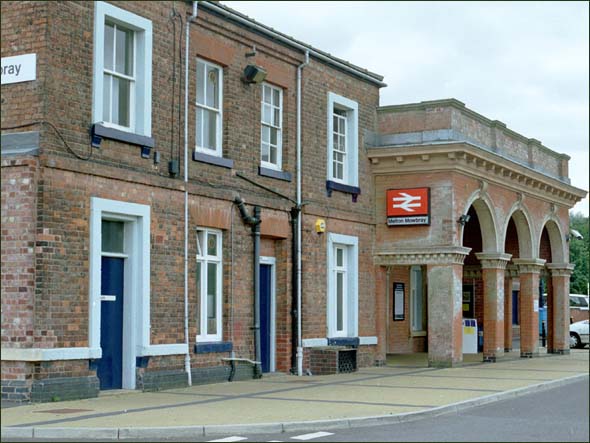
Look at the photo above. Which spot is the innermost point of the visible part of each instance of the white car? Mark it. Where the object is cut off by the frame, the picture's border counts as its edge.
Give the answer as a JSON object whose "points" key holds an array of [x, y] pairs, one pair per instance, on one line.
{"points": [[579, 334]]}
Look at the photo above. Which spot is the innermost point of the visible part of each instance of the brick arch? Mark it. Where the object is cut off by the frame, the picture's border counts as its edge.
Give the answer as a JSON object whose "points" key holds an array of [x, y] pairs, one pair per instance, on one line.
{"points": [[556, 239], [522, 220], [483, 207]]}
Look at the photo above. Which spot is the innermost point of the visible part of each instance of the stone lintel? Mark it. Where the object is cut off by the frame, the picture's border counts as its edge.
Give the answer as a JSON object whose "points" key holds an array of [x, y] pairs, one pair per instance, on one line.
{"points": [[561, 269], [529, 265], [493, 260], [429, 256]]}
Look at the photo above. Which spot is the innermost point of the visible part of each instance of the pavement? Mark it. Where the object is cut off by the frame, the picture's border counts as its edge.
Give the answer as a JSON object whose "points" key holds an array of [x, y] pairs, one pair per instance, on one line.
{"points": [[404, 390]]}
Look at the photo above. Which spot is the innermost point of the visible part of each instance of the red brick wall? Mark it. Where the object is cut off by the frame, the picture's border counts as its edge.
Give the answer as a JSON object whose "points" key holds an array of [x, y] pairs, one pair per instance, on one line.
{"points": [[116, 171]]}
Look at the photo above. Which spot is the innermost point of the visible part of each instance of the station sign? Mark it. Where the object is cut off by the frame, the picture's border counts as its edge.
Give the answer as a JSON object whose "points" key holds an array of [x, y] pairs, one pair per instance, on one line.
{"points": [[19, 68], [408, 207]]}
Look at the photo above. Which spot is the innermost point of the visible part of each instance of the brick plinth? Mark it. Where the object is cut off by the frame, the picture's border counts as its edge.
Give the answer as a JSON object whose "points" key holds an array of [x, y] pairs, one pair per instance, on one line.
{"points": [[560, 282]]}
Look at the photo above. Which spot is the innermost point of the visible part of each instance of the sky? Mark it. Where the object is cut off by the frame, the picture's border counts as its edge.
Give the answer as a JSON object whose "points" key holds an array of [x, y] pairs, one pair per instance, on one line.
{"points": [[523, 63]]}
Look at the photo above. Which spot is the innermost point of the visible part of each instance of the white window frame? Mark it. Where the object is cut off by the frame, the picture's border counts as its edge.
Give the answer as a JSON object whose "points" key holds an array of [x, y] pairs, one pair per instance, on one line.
{"points": [[267, 164], [336, 101], [203, 258], [218, 151], [350, 311], [131, 78], [141, 103], [417, 288]]}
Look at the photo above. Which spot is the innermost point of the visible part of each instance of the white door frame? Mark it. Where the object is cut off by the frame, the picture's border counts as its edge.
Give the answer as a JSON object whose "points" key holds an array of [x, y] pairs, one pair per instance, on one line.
{"points": [[272, 261], [136, 303]]}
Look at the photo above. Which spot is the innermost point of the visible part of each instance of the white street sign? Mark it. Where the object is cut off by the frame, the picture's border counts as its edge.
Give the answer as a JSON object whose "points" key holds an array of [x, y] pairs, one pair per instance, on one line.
{"points": [[20, 68]]}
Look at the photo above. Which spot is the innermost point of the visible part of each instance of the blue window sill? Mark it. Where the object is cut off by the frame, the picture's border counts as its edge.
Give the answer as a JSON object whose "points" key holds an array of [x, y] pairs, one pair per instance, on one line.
{"points": [[213, 160], [213, 347], [99, 131], [347, 189], [279, 175], [343, 341]]}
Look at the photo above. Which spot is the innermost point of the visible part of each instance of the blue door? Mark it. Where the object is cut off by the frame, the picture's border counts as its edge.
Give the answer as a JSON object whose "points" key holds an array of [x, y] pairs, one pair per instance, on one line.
{"points": [[110, 366], [265, 317]]}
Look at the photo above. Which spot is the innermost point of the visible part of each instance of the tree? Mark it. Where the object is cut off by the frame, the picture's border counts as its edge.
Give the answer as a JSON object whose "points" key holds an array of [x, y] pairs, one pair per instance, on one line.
{"points": [[579, 253]]}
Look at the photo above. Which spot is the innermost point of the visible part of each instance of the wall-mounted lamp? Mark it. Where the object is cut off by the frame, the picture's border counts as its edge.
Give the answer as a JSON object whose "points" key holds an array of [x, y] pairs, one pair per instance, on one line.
{"points": [[464, 219], [574, 234], [253, 74]]}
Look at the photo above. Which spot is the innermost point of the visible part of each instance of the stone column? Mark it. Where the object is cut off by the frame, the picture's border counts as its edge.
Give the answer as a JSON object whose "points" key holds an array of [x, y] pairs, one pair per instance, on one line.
{"points": [[445, 315], [381, 313], [560, 280], [492, 271], [508, 284], [529, 270]]}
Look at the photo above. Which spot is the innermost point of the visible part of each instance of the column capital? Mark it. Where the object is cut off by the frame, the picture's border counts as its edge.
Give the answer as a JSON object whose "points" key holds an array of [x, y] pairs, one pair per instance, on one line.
{"points": [[512, 270], [493, 260], [529, 265], [454, 255], [561, 269]]}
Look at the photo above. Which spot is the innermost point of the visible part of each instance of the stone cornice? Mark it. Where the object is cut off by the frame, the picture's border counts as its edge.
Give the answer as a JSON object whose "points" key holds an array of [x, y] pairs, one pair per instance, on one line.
{"points": [[529, 265], [430, 256], [466, 158], [493, 260], [561, 269]]}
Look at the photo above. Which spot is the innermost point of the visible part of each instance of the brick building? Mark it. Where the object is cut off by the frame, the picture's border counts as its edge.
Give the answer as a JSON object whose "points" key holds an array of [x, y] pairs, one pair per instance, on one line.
{"points": [[186, 192]]}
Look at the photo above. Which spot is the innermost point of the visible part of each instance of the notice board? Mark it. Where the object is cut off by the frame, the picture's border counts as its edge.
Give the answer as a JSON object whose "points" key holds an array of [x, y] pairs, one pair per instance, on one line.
{"points": [[398, 301]]}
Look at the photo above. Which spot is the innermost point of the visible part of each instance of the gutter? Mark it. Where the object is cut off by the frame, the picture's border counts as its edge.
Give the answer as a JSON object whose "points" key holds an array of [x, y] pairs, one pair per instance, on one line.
{"points": [[374, 79]]}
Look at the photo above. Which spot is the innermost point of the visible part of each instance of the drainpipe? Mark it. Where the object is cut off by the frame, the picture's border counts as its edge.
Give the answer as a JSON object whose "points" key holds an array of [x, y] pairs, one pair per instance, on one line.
{"points": [[187, 357], [254, 222], [298, 245]]}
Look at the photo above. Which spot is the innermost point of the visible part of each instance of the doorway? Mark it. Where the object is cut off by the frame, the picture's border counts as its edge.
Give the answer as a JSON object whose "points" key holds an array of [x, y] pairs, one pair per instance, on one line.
{"points": [[267, 313]]}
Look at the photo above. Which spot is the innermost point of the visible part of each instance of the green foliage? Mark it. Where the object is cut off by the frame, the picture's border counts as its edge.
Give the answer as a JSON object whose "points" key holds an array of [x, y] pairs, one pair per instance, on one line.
{"points": [[579, 254]]}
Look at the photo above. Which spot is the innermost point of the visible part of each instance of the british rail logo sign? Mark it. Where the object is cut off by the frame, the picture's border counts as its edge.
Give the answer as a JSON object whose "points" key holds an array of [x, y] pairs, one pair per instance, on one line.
{"points": [[406, 207]]}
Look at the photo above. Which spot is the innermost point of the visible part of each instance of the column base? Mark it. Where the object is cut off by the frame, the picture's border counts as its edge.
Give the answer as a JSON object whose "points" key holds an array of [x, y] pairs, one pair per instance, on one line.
{"points": [[529, 354], [559, 351], [489, 359], [507, 349]]}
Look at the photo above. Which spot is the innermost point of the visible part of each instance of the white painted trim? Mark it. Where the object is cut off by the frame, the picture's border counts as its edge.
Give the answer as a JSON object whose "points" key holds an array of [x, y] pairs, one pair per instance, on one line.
{"points": [[279, 164], [143, 51], [272, 261], [314, 342], [167, 349], [368, 341], [352, 256], [49, 354], [351, 174], [205, 259], [136, 309]]}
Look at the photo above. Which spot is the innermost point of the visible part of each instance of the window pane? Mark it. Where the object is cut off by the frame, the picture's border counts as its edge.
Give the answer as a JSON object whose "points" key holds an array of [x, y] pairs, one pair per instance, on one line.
{"points": [[266, 94], [212, 87], [276, 97], [106, 98], [199, 301], [200, 83], [265, 152], [339, 301], [339, 259], [109, 43], [200, 117], [266, 113], [112, 236], [273, 136], [124, 52], [277, 117], [121, 101], [273, 155], [211, 298], [265, 134], [210, 129], [200, 242], [212, 245]]}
